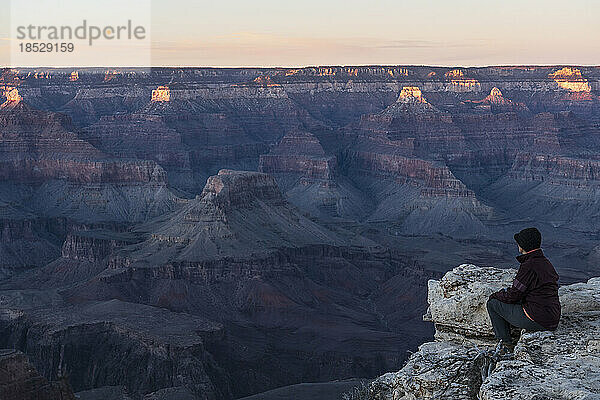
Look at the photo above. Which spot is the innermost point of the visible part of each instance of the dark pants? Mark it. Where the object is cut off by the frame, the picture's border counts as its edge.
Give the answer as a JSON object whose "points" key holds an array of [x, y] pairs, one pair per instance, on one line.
{"points": [[503, 315]]}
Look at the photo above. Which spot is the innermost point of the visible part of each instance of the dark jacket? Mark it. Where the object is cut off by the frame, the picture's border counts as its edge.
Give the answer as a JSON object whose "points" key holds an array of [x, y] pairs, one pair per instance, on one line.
{"points": [[536, 288]]}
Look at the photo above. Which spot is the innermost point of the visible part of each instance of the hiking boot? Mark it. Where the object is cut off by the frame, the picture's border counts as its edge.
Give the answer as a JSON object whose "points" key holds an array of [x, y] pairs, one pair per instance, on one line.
{"points": [[505, 350], [502, 351]]}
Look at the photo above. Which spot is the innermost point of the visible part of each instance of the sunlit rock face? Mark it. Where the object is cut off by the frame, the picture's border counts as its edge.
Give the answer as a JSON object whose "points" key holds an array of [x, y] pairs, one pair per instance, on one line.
{"points": [[12, 97], [326, 72], [496, 102], [571, 79], [161, 94], [12, 94], [396, 72], [495, 95], [265, 81], [110, 75], [411, 94], [41, 75], [465, 85], [410, 101], [455, 73], [74, 76], [459, 83]]}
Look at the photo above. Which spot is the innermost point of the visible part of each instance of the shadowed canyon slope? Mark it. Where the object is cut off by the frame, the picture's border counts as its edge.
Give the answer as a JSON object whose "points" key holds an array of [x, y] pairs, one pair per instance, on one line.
{"points": [[216, 233]]}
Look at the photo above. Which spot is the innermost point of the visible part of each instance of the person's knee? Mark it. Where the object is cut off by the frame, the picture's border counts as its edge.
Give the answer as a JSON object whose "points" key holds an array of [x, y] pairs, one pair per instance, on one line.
{"points": [[491, 304]]}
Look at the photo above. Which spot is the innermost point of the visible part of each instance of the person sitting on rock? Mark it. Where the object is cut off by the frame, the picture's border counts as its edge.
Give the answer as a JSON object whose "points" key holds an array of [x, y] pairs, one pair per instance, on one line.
{"points": [[531, 303]]}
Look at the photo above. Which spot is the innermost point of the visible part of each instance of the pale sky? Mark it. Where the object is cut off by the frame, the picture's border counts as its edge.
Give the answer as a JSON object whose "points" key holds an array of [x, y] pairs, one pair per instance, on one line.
{"points": [[353, 32]]}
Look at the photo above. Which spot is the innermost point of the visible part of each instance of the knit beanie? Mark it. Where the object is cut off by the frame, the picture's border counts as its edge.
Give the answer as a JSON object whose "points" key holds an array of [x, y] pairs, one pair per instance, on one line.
{"points": [[529, 239]]}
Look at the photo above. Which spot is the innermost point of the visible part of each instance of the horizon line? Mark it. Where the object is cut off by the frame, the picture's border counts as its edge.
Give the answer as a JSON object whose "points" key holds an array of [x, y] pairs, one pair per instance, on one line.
{"points": [[313, 66]]}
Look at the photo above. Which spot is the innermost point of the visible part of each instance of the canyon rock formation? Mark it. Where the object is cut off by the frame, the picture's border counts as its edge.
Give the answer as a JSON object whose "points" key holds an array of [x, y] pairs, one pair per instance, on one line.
{"points": [[214, 233], [235, 268]]}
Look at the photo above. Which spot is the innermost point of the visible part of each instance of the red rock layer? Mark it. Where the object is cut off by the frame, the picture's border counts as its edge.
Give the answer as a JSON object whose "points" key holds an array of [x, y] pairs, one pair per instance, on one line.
{"points": [[557, 170], [145, 137], [81, 171], [299, 153], [319, 168], [434, 178], [36, 146]]}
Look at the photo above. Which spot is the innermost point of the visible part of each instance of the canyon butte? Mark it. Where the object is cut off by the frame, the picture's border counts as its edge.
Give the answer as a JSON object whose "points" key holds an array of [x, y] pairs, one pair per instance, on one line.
{"points": [[204, 233]]}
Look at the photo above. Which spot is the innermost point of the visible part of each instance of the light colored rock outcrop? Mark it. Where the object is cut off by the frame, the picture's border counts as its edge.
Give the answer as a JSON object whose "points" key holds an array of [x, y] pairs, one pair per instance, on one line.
{"points": [[439, 370], [580, 297], [560, 365], [457, 302], [564, 364]]}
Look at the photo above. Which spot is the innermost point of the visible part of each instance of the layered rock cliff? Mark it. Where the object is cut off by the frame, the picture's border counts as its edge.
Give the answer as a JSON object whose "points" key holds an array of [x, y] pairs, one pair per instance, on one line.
{"points": [[125, 345], [301, 153], [547, 365], [24, 241], [310, 177], [571, 79], [19, 380], [560, 189], [423, 195], [229, 219], [139, 136], [93, 245], [229, 118], [49, 168]]}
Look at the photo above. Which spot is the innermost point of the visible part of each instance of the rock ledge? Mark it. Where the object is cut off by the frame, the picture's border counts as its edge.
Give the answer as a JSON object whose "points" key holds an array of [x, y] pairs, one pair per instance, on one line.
{"points": [[564, 364]]}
